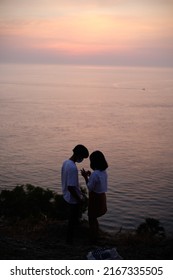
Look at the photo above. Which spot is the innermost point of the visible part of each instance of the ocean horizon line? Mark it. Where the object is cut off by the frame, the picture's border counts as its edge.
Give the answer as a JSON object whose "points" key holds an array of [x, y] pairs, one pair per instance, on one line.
{"points": [[92, 66]]}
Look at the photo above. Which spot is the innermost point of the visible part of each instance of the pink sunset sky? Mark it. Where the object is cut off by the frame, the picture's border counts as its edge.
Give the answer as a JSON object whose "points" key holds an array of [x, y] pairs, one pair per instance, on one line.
{"points": [[99, 32]]}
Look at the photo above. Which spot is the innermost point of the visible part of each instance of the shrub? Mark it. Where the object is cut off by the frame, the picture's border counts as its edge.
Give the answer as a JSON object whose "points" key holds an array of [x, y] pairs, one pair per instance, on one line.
{"points": [[151, 227], [26, 201]]}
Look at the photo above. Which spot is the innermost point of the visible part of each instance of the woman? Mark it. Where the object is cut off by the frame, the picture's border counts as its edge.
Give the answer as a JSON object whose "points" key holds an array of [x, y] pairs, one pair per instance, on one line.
{"points": [[97, 186]]}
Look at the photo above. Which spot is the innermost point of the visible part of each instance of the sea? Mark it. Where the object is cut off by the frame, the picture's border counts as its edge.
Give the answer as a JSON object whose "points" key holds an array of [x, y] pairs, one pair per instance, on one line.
{"points": [[127, 113]]}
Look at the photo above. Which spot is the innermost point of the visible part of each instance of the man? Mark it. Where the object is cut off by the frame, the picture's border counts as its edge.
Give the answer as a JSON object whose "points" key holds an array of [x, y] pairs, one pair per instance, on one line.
{"points": [[70, 187]]}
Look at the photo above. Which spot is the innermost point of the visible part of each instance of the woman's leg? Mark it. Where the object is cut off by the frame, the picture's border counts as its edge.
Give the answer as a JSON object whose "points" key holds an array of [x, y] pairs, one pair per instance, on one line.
{"points": [[94, 228]]}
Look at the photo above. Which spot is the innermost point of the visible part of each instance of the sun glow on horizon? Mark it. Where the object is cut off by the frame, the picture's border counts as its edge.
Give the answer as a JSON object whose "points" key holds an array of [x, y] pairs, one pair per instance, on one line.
{"points": [[115, 30]]}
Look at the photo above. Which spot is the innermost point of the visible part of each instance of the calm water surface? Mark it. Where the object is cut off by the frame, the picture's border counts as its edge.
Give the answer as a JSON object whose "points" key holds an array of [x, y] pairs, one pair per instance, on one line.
{"points": [[126, 112]]}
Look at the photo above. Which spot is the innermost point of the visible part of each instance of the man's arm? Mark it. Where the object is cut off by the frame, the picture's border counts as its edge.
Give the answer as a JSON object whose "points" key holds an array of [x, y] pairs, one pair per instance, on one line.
{"points": [[73, 192]]}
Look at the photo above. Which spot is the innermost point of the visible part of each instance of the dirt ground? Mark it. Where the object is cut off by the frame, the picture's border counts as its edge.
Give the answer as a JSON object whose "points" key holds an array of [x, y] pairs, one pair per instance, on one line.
{"points": [[24, 240]]}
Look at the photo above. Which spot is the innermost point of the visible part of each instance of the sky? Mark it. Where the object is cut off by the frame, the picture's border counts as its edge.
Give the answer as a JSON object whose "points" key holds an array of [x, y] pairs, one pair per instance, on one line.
{"points": [[93, 32]]}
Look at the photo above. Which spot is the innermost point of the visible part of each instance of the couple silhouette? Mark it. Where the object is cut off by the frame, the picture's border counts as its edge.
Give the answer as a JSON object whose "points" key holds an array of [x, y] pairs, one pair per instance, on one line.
{"points": [[96, 182]]}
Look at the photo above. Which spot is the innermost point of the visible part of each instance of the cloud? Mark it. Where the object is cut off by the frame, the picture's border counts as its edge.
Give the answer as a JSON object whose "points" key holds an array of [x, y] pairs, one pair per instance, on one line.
{"points": [[56, 8], [79, 29]]}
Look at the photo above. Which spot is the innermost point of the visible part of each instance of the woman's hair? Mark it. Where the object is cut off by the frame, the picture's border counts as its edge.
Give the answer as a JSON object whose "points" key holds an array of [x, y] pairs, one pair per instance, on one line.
{"points": [[98, 161]]}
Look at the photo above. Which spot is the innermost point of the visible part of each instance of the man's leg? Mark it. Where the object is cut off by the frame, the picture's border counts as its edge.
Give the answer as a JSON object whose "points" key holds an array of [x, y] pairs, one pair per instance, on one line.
{"points": [[73, 219]]}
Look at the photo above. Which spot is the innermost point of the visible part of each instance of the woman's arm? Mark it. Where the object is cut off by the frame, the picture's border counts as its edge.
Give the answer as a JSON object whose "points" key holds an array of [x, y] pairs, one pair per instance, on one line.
{"points": [[85, 174]]}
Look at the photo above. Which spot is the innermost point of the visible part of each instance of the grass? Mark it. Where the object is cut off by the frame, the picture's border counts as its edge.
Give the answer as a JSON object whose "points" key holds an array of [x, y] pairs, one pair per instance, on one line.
{"points": [[33, 226]]}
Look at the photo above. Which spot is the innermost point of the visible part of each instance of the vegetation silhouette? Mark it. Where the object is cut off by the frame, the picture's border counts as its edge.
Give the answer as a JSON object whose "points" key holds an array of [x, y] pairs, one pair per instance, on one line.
{"points": [[28, 201], [33, 226], [151, 227]]}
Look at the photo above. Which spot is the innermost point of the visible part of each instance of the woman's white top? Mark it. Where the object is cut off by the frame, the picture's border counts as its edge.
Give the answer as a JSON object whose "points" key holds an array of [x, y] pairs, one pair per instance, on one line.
{"points": [[98, 181]]}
